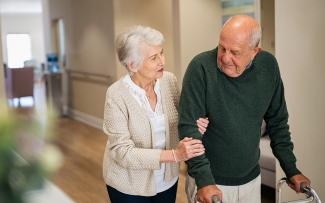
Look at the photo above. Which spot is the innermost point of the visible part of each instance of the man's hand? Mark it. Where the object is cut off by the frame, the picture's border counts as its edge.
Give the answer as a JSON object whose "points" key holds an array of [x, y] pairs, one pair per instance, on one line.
{"points": [[204, 194], [297, 180]]}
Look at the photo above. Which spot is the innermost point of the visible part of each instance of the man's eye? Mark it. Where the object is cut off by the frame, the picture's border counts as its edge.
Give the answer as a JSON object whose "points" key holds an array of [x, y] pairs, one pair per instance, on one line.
{"points": [[235, 53]]}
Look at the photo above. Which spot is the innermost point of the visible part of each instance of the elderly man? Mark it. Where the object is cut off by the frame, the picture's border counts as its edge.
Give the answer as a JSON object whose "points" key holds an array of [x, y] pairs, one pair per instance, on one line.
{"points": [[236, 86]]}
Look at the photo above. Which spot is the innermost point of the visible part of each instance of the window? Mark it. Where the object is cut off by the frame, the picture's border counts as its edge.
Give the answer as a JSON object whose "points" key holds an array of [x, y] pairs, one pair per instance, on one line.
{"points": [[19, 49]]}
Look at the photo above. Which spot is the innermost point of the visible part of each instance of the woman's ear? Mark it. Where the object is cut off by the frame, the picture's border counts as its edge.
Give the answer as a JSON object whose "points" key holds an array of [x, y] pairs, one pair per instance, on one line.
{"points": [[132, 68]]}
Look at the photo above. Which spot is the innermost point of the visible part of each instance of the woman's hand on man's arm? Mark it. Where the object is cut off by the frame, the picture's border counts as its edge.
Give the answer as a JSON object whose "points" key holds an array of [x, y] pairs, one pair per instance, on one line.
{"points": [[185, 150]]}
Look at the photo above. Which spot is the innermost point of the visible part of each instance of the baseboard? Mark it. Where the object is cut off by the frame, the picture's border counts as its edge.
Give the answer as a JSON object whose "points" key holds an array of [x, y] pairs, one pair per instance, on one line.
{"points": [[86, 118]]}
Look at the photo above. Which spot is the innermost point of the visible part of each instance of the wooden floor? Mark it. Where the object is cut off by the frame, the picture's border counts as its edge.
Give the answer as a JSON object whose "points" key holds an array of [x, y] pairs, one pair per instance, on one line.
{"points": [[81, 175], [83, 149]]}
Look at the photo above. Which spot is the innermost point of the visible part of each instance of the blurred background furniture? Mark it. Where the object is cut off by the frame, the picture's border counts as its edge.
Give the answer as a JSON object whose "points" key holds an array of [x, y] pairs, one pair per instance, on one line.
{"points": [[19, 83], [53, 89], [267, 162]]}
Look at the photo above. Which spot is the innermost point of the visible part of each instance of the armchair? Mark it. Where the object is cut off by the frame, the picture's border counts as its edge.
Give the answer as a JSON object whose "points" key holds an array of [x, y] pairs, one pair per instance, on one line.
{"points": [[19, 82]]}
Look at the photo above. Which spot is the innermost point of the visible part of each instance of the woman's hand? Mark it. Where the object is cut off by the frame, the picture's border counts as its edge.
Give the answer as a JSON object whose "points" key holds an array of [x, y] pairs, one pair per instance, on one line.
{"points": [[202, 124], [188, 148]]}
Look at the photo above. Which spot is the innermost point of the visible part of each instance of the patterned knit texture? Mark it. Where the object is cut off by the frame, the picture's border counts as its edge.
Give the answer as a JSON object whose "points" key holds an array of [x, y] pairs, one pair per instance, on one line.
{"points": [[129, 159]]}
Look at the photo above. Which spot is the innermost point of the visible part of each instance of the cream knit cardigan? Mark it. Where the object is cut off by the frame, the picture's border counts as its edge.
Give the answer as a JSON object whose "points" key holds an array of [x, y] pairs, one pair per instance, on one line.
{"points": [[129, 159]]}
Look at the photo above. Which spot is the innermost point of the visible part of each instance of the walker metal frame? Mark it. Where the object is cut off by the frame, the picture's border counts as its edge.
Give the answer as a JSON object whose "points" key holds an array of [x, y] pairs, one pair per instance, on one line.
{"points": [[310, 193]]}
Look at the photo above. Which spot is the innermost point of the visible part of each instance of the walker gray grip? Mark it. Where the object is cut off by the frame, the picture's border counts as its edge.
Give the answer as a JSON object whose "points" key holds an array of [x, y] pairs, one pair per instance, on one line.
{"points": [[303, 186], [310, 193], [216, 199]]}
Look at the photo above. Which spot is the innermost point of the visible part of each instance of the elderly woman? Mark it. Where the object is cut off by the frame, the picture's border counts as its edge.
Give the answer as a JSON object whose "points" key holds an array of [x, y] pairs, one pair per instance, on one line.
{"points": [[140, 120]]}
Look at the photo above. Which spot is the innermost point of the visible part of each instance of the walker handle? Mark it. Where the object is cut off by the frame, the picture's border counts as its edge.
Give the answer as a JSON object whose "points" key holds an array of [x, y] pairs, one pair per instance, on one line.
{"points": [[216, 199], [303, 186], [306, 189]]}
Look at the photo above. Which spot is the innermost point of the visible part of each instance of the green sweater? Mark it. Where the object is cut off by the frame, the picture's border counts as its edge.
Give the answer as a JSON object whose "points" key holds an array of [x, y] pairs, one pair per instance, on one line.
{"points": [[235, 108]]}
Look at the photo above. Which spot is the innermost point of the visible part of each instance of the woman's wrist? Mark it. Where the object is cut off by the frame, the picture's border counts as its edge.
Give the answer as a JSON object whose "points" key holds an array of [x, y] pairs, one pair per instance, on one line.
{"points": [[174, 156], [167, 156]]}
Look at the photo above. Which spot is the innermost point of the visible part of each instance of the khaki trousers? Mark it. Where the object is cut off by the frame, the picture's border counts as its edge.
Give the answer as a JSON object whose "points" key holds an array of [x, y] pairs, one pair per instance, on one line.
{"points": [[246, 193]]}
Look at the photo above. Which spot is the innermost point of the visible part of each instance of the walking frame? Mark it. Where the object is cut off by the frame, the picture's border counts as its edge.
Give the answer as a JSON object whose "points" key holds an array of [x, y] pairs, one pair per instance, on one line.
{"points": [[310, 193]]}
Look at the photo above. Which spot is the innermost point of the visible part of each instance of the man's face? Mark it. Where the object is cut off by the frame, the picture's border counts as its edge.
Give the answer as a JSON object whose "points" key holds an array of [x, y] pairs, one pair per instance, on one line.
{"points": [[234, 53]]}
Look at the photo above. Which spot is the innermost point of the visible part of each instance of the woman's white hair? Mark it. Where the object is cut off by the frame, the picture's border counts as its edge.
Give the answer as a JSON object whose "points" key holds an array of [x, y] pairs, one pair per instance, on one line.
{"points": [[128, 44]]}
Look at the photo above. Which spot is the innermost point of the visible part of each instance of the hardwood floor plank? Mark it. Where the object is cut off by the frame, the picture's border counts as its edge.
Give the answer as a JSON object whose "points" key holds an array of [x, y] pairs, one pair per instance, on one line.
{"points": [[83, 148]]}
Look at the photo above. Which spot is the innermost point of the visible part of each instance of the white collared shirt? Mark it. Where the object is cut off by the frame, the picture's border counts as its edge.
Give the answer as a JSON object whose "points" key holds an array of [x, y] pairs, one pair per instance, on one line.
{"points": [[157, 120]]}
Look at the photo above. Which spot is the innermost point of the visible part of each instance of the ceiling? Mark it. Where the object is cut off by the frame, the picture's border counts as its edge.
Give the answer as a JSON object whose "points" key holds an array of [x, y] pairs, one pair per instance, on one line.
{"points": [[20, 6]]}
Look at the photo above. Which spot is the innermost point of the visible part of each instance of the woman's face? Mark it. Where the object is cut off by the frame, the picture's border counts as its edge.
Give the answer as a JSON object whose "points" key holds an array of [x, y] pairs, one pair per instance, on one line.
{"points": [[153, 62]]}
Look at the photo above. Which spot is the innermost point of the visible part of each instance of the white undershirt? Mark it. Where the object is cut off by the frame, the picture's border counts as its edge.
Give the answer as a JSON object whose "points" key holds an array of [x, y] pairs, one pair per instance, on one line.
{"points": [[157, 121]]}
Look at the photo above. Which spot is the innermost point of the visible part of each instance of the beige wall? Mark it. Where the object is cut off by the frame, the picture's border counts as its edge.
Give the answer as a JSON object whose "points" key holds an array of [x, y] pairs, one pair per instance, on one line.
{"points": [[88, 97], [299, 34], [91, 50], [27, 24], [2, 87], [89, 42], [199, 28], [153, 13], [92, 45], [267, 24], [53, 10]]}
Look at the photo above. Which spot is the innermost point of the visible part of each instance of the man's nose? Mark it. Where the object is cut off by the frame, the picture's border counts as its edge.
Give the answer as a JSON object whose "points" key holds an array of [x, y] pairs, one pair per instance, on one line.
{"points": [[226, 57]]}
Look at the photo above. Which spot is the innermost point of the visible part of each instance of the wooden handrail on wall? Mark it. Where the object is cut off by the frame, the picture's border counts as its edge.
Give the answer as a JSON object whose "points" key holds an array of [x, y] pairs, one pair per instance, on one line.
{"points": [[89, 77]]}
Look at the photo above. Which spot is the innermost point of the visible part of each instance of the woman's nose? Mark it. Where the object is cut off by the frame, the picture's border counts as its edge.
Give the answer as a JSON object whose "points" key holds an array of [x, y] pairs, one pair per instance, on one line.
{"points": [[161, 59]]}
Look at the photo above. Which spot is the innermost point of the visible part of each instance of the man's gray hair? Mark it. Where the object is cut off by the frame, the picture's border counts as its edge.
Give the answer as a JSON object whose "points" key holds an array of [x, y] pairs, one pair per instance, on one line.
{"points": [[255, 36], [128, 44]]}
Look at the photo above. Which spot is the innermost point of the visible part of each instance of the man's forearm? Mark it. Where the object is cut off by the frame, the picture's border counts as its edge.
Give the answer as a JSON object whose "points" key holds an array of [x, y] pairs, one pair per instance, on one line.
{"points": [[199, 169]]}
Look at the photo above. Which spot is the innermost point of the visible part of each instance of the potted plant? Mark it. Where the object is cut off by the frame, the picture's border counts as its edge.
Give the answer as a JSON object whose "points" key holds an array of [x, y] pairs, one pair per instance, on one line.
{"points": [[26, 155]]}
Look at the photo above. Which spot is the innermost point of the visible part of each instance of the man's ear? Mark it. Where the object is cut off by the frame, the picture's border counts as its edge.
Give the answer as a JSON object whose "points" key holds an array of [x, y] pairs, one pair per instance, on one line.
{"points": [[258, 49], [255, 51]]}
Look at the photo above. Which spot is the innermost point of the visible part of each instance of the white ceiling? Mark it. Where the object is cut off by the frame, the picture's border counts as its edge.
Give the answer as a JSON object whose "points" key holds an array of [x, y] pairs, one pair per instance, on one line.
{"points": [[20, 6]]}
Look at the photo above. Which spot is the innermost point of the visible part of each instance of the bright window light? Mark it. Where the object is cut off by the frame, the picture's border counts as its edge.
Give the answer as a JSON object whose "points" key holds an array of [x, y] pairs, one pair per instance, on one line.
{"points": [[19, 49]]}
